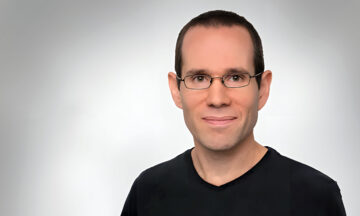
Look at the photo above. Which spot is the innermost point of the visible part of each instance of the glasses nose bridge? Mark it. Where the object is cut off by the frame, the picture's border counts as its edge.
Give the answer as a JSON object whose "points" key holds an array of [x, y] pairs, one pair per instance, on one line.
{"points": [[221, 78]]}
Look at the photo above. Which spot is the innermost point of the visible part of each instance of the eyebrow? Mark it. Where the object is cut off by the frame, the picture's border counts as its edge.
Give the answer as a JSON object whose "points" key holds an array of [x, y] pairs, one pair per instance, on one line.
{"points": [[196, 72], [192, 72], [236, 70]]}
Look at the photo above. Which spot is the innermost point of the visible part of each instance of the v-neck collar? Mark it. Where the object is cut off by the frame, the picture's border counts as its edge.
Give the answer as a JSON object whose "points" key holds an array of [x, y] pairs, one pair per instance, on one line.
{"points": [[225, 185]]}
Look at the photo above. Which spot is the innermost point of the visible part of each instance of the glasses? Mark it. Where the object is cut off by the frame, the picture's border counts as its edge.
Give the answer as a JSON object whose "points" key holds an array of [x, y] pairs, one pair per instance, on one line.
{"points": [[203, 81]]}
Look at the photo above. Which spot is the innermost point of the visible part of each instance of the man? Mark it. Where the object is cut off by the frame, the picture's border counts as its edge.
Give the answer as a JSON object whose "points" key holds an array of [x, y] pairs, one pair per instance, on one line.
{"points": [[220, 84]]}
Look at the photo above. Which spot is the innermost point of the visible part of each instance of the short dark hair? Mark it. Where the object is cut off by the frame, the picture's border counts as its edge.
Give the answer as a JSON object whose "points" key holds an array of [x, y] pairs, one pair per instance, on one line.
{"points": [[218, 18]]}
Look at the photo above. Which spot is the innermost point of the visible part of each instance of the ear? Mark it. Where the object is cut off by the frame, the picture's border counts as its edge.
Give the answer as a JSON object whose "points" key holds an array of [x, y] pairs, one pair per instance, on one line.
{"points": [[175, 92], [264, 91]]}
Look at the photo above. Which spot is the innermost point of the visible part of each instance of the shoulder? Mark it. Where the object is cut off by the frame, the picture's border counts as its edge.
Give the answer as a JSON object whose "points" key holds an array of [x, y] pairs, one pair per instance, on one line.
{"points": [[307, 176], [302, 173], [151, 182], [163, 171], [312, 190], [306, 180]]}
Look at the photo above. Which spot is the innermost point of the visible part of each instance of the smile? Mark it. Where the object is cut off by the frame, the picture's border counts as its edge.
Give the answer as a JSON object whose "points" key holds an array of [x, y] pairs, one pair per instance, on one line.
{"points": [[219, 121]]}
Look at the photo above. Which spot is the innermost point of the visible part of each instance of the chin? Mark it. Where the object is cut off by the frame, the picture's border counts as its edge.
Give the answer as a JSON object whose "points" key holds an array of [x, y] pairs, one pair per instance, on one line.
{"points": [[218, 146], [220, 143]]}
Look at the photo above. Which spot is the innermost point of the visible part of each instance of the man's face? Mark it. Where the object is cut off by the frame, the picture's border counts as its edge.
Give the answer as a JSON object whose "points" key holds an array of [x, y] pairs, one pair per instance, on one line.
{"points": [[219, 118]]}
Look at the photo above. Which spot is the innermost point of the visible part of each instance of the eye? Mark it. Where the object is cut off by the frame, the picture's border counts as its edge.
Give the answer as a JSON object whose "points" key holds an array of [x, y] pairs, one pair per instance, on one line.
{"points": [[198, 78], [236, 77]]}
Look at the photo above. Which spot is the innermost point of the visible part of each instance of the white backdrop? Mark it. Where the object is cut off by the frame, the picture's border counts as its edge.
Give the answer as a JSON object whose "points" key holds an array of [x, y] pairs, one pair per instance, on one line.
{"points": [[85, 105]]}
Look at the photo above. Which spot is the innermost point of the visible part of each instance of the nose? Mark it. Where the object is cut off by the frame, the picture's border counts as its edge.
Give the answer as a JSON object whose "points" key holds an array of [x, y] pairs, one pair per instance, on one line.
{"points": [[217, 94]]}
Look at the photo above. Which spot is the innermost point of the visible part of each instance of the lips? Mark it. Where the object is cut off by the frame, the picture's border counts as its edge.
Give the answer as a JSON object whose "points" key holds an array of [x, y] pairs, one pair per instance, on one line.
{"points": [[219, 120]]}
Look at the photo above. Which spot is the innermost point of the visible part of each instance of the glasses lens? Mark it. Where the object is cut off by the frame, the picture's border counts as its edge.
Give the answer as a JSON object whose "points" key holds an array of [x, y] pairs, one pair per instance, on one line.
{"points": [[197, 81], [237, 80]]}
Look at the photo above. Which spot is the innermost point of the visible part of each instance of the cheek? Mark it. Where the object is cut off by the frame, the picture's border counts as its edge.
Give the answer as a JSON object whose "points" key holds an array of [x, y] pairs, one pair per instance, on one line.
{"points": [[191, 104], [189, 116], [246, 106], [190, 101], [246, 100], [251, 104]]}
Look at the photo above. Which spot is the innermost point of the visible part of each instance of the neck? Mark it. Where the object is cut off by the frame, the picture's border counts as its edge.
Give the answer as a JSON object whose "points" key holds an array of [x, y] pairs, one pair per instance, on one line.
{"points": [[220, 167]]}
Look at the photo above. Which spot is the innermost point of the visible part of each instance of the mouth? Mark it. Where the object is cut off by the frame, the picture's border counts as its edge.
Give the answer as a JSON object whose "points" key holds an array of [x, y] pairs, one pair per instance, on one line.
{"points": [[219, 121]]}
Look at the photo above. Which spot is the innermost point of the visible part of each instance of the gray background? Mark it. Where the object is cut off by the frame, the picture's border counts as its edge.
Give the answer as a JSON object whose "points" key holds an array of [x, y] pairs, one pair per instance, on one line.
{"points": [[85, 105]]}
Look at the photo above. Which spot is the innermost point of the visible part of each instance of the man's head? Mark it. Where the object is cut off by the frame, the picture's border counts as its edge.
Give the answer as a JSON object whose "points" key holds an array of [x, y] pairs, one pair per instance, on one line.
{"points": [[219, 118], [220, 18]]}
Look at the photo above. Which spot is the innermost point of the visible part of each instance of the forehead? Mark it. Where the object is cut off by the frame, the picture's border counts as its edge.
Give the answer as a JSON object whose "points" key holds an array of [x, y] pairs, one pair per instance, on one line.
{"points": [[217, 49]]}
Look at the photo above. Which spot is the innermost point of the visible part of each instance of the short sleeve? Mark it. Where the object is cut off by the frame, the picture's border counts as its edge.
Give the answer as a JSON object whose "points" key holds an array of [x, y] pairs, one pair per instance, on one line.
{"points": [[335, 205], [130, 206]]}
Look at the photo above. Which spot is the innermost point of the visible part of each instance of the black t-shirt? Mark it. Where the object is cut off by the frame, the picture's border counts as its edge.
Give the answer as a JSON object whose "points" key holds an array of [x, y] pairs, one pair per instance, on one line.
{"points": [[276, 185]]}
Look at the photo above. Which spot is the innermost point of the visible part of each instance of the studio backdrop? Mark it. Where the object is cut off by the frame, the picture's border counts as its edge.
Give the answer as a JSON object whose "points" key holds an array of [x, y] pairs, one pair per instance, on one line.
{"points": [[85, 104]]}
